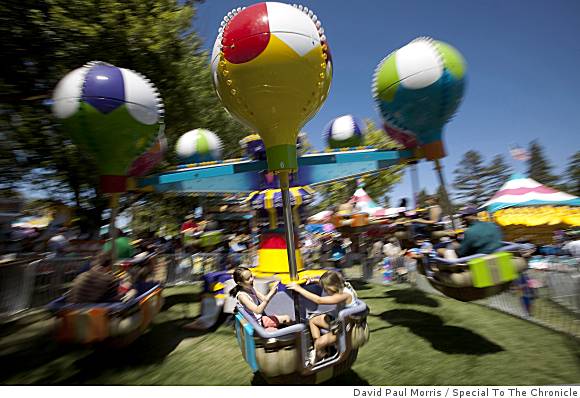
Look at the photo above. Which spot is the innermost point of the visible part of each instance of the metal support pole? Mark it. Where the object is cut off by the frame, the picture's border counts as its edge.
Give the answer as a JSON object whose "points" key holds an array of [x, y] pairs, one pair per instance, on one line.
{"points": [[446, 203], [289, 232], [415, 184]]}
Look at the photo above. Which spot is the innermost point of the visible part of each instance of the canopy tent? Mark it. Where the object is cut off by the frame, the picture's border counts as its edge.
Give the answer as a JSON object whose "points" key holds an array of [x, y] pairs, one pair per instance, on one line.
{"points": [[561, 216], [523, 201], [270, 201], [322, 217], [364, 203], [272, 198], [520, 191]]}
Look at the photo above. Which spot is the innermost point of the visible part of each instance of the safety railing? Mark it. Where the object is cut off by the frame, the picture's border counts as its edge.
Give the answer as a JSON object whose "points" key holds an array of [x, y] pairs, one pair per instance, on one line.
{"points": [[54, 276], [185, 269], [16, 283], [34, 281], [552, 299]]}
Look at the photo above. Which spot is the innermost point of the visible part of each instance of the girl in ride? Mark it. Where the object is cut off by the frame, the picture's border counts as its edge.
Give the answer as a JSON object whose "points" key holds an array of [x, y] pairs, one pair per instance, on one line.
{"points": [[340, 293], [254, 301]]}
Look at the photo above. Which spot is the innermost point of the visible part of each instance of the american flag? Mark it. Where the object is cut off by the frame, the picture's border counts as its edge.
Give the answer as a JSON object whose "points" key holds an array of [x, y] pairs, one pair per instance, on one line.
{"points": [[519, 153]]}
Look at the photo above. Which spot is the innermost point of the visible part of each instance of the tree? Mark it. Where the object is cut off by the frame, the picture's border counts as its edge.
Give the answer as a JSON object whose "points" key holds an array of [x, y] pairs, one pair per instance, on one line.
{"points": [[422, 197], [573, 174], [386, 201], [42, 41], [497, 173], [381, 183], [445, 204], [470, 178], [161, 211], [377, 185], [539, 168]]}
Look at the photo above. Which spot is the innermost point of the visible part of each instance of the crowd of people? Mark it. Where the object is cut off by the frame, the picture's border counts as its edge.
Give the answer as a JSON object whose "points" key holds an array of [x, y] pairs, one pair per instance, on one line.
{"points": [[394, 253]]}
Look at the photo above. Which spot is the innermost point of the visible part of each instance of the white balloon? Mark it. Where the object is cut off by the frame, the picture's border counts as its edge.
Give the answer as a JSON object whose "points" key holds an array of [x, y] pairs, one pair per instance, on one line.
{"points": [[67, 94]]}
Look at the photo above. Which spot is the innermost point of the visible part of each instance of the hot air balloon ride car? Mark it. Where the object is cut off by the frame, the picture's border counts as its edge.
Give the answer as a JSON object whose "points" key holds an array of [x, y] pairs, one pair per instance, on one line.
{"points": [[114, 115], [417, 90], [272, 70], [477, 276]]}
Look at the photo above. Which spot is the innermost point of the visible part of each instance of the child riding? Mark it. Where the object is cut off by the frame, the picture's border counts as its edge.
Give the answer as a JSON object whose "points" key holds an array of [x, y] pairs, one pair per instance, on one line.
{"points": [[340, 293], [254, 301]]}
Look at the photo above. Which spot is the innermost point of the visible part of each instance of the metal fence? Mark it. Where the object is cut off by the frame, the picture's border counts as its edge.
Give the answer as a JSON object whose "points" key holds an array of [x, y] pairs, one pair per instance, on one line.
{"points": [[16, 283], [555, 303], [52, 277], [34, 281], [185, 269], [190, 268], [31, 282]]}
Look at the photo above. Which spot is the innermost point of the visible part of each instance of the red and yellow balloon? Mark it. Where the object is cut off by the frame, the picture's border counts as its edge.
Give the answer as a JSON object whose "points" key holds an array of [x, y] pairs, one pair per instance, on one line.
{"points": [[272, 70]]}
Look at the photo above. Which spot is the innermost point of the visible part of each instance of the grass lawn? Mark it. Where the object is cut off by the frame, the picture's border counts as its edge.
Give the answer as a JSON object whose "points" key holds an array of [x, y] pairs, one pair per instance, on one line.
{"points": [[416, 339]]}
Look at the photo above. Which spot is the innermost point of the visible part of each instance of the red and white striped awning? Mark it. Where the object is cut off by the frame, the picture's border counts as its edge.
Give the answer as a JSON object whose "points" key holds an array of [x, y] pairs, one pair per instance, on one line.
{"points": [[521, 191], [364, 203]]}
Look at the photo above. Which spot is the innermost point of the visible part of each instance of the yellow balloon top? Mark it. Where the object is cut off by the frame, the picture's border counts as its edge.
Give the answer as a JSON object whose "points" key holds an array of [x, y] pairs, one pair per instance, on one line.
{"points": [[272, 70]]}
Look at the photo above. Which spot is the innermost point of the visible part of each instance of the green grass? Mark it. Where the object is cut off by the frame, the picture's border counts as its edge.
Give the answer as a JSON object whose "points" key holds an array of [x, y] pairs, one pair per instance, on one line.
{"points": [[416, 339]]}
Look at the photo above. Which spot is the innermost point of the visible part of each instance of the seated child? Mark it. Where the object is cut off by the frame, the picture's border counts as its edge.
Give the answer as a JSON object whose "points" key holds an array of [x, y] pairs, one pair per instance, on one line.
{"points": [[340, 293], [254, 301]]}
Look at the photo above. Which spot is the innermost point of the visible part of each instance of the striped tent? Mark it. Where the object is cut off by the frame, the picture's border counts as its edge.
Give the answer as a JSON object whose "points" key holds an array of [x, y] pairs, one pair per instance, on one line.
{"points": [[364, 203], [520, 191], [272, 198]]}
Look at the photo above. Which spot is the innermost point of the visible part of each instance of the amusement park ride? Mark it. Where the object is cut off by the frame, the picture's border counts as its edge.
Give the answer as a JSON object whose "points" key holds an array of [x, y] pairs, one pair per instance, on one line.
{"points": [[272, 69]]}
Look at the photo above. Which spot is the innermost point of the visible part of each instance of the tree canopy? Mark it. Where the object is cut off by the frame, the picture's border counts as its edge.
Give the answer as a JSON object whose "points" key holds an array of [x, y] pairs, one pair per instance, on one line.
{"points": [[376, 185], [470, 179], [539, 168], [573, 174], [475, 183], [44, 40]]}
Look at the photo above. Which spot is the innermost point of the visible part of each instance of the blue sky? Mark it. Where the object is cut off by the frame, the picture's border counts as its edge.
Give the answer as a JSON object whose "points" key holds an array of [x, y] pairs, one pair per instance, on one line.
{"points": [[523, 69]]}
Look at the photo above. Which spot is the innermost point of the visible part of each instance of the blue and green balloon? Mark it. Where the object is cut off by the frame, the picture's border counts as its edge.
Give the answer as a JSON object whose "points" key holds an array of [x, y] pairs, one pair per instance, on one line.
{"points": [[418, 88]]}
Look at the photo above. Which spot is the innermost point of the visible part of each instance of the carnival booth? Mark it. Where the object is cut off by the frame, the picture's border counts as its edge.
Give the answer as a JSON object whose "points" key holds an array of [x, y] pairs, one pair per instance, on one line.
{"points": [[528, 210]]}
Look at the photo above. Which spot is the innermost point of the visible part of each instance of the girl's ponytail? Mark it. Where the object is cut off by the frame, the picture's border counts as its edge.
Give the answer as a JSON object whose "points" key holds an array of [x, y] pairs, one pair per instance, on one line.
{"points": [[348, 285], [235, 290]]}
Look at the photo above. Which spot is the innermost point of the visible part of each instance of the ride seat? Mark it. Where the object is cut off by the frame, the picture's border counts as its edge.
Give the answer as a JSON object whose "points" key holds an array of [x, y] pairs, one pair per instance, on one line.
{"points": [[482, 270], [283, 304]]}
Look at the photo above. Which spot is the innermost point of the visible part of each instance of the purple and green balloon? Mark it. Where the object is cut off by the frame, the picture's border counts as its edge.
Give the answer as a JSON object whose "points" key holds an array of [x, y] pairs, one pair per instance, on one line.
{"points": [[113, 114]]}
